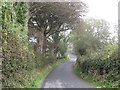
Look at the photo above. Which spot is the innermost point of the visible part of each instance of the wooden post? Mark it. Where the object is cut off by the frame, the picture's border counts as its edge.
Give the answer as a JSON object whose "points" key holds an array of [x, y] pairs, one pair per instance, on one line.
{"points": [[104, 73], [95, 74]]}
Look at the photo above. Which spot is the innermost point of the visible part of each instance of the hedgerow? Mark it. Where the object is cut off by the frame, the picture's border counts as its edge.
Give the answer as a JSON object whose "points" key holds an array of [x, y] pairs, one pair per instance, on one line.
{"points": [[19, 59], [102, 66]]}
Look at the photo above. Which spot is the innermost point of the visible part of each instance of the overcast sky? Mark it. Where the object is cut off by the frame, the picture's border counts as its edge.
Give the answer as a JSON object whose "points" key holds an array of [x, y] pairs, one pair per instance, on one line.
{"points": [[103, 9]]}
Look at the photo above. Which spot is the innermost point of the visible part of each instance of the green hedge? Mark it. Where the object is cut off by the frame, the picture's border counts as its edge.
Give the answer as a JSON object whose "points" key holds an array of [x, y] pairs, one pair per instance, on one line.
{"points": [[110, 65]]}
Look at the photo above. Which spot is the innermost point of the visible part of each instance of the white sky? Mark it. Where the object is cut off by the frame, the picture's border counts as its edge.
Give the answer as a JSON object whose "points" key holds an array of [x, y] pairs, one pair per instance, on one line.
{"points": [[103, 9]]}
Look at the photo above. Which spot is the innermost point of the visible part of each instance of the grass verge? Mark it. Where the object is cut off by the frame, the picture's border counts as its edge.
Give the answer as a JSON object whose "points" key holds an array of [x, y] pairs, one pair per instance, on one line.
{"points": [[89, 78], [42, 73]]}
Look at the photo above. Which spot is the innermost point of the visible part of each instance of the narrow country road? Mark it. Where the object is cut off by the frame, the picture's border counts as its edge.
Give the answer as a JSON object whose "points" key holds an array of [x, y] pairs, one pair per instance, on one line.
{"points": [[63, 76]]}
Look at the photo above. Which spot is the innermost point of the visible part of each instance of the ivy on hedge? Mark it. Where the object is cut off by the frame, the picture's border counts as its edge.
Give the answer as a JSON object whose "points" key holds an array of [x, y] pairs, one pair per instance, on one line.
{"points": [[17, 57]]}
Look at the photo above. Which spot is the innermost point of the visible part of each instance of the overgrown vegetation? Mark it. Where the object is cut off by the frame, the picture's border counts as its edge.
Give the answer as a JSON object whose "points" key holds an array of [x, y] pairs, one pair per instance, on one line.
{"points": [[97, 52], [33, 38], [90, 79], [15, 50]]}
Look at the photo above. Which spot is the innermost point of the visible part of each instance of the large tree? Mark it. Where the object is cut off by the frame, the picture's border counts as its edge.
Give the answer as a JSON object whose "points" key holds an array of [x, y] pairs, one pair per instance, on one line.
{"points": [[52, 17]]}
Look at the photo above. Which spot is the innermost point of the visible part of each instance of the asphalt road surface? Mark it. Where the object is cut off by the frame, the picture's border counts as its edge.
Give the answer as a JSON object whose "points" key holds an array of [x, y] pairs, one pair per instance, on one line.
{"points": [[63, 76]]}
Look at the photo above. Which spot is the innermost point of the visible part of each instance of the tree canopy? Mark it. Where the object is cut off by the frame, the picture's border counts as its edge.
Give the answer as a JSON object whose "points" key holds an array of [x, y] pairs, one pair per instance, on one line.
{"points": [[54, 17], [50, 18]]}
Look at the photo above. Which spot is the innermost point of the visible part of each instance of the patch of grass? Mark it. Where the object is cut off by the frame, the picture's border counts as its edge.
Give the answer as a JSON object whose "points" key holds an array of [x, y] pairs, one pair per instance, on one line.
{"points": [[90, 79], [43, 73]]}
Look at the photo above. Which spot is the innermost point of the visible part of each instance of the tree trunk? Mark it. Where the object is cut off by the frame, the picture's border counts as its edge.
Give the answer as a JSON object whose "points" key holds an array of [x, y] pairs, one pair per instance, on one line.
{"points": [[53, 50], [44, 45]]}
